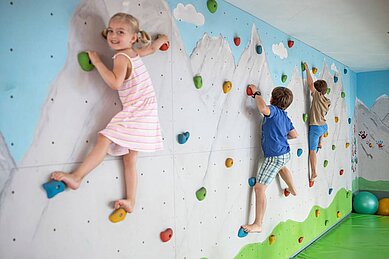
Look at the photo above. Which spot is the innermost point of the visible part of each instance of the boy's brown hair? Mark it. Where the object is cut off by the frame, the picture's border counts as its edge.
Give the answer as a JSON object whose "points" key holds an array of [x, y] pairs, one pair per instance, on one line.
{"points": [[281, 97], [321, 86]]}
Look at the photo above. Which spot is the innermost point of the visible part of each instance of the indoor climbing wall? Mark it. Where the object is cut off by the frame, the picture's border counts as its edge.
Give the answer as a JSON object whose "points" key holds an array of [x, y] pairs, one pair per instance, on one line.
{"points": [[372, 134], [198, 186]]}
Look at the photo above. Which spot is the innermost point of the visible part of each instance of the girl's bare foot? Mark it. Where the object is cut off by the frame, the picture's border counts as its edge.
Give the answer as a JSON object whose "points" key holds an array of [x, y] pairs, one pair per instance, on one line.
{"points": [[127, 205], [320, 145], [313, 177], [252, 228], [71, 181]]}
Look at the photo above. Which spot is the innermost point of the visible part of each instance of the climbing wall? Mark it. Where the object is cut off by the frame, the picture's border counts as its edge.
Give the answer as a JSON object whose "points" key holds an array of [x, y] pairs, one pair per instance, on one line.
{"points": [[198, 185]]}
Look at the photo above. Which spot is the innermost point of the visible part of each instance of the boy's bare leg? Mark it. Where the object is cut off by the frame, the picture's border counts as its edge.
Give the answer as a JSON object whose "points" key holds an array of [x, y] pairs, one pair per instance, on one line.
{"points": [[260, 207], [130, 178], [287, 177], [312, 159], [94, 158]]}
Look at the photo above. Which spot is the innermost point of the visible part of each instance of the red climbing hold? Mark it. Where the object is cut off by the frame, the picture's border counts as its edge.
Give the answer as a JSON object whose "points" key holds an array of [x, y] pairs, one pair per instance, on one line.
{"points": [[290, 43], [301, 239], [311, 183], [341, 171], [237, 41], [286, 193], [166, 235], [164, 47], [249, 92]]}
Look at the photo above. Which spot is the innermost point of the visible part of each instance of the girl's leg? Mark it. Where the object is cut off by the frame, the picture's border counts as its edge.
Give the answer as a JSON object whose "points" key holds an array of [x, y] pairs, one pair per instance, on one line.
{"points": [[320, 145], [94, 158], [287, 177], [312, 159], [260, 207], [130, 178]]}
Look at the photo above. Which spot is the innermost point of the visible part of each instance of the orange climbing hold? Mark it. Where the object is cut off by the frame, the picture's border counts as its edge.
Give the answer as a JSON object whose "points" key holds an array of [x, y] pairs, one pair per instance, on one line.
{"points": [[227, 86], [166, 235], [272, 239]]}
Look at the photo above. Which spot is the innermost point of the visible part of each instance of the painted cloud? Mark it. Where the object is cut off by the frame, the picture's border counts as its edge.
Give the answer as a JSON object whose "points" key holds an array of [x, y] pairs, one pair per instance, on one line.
{"points": [[187, 13], [280, 50]]}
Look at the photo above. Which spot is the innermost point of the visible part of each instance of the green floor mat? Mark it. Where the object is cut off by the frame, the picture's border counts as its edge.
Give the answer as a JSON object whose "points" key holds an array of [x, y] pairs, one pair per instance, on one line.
{"points": [[357, 237]]}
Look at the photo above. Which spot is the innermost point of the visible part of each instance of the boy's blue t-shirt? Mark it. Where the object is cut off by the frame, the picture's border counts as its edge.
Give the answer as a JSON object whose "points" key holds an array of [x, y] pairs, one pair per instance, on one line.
{"points": [[275, 129]]}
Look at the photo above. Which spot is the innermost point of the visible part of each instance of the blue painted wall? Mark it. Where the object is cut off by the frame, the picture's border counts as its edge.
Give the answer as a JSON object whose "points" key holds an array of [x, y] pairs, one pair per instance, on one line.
{"points": [[371, 85]]}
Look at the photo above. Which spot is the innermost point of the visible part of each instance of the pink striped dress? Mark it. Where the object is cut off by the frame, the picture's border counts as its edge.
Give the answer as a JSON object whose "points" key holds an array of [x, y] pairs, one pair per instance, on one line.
{"points": [[137, 126]]}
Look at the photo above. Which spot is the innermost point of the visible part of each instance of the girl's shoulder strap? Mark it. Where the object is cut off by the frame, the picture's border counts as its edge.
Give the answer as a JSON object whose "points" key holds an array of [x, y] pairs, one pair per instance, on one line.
{"points": [[121, 53]]}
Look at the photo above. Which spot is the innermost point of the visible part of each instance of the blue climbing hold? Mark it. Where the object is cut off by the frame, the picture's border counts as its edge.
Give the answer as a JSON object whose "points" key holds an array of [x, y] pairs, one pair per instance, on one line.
{"points": [[345, 71], [53, 187], [299, 152], [330, 191], [335, 79], [183, 137], [252, 181], [242, 233], [259, 49], [349, 120]]}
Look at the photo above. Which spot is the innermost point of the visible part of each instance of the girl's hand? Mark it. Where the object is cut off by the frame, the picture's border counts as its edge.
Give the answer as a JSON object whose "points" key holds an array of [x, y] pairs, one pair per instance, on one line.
{"points": [[94, 57], [253, 88], [164, 39], [306, 66]]}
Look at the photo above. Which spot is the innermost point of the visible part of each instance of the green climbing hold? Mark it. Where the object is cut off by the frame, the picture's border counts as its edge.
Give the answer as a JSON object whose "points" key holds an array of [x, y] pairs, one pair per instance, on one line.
{"points": [[198, 81], [325, 163], [84, 61], [328, 90], [343, 94], [333, 147], [259, 49], [212, 5], [283, 78], [302, 66], [305, 117], [201, 193]]}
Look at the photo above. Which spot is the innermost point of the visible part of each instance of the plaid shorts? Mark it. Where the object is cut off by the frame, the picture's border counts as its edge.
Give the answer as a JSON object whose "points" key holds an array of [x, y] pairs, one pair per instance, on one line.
{"points": [[270, 168]]}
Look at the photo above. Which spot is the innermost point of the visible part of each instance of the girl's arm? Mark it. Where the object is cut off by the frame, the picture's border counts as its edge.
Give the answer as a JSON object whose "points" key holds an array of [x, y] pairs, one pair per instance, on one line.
{"points": [[292, 134], [309, 78], [262, 107], [153, 47], [114, 78]]}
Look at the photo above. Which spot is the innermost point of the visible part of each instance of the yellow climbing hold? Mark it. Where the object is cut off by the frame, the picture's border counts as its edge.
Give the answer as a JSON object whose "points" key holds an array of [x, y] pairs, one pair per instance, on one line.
{"points": [[272, 239], [227, 86], [229, 162], [317, 213], [118, 215], [314, 70], [325, 134], [336, 119], [347, 145], [338, 214]]}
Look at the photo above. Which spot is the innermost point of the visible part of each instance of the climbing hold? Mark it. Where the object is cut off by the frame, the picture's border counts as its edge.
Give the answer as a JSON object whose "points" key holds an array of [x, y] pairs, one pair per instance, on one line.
{"points": [[84, 61], [325, 163], [317, 213], [333, 147], [311, 183], [301, 239], [286, 192], [272, 239], [290, 43], [305, 117], [343, 94], [53, 187], [326, 222], [347, 145], [328, 90], [335, 79], [348, 194], [183, 137], [345, 71], [201, 193], [249, 92], [229, 162], [330, 191], [349, 120], [283, 78], [302, 66], [236, 41], [166, 235], [299, 152], [198, 81], [212, 6], [341, 172], [325, 134], [258, 48], [314, 70], [118, 215], [338, 214], [336, 119], [252, 181], [164, 46], [227, 86], [242, 232]]}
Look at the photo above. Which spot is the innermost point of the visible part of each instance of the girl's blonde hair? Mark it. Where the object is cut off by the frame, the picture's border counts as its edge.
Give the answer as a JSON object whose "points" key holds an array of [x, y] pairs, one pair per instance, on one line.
{"points": [[143, 37]]}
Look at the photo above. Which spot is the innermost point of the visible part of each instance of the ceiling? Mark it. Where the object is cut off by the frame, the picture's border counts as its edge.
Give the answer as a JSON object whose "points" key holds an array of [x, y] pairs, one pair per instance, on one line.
{"points": [[354, 32]]}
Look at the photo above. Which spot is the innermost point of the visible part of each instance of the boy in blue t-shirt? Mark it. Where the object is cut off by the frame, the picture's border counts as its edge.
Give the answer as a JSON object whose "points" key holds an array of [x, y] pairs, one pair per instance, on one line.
{"points": [[276, 129]]}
